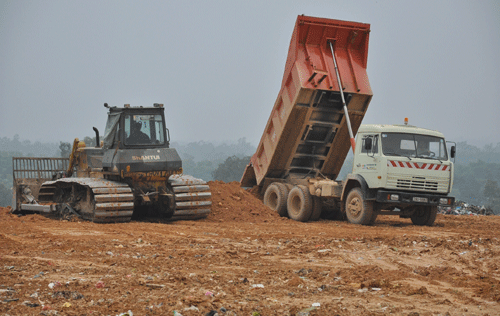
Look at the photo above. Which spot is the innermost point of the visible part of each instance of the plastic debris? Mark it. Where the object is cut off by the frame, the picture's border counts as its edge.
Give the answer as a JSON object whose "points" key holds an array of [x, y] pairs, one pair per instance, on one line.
{"points": [[208, 293], [258, 286], [7, 300], [324, 250], [67, 304], [99, 285], [38, 275], [192, 308], [129, 313], [303, 271], [316, 305], [176, 313], [306, 311], [29, 304]]}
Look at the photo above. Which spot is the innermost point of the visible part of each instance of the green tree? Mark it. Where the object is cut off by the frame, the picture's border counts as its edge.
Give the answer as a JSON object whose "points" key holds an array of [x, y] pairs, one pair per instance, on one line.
{"points": [[89, 141], [491, 189], [491, 192], [65, 149], [231, 169], [5, 195]]}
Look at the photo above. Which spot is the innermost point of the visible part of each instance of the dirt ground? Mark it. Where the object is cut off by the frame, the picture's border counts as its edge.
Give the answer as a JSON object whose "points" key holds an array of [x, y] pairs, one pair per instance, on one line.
{"points": [[245, 260]]}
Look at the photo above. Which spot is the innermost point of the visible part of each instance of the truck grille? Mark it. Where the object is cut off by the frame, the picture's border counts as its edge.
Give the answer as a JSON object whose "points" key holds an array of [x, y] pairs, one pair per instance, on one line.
{"points": [[417, 183]]}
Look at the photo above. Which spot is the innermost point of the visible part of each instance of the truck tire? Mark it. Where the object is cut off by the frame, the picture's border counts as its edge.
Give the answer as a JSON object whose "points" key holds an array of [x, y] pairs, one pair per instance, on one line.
{"points": [[357, 209], [374, 217], [299, 204], [316, 209], [424, 215], [276, 196]]}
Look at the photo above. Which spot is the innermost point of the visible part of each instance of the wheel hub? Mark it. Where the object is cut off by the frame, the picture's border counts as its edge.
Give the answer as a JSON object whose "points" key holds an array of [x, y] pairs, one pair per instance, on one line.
{"points": [[354, 207]]}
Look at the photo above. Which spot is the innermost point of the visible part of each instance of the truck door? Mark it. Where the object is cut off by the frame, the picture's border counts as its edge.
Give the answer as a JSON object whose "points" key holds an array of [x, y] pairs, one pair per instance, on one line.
{"points": [[367, 158]]}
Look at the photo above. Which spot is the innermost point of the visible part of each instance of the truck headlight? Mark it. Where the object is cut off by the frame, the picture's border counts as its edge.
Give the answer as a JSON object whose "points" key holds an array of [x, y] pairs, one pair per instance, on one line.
{"points": [[444, 201], [393, 197]]}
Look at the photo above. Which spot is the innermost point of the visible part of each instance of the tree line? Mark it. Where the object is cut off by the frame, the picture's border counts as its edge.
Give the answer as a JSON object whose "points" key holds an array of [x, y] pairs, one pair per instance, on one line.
{"points": [[476, 176], [204, 160]]}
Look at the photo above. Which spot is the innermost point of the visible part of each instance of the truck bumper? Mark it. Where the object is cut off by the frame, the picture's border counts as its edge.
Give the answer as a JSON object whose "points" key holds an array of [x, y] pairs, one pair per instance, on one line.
{"points": [[400, 197]]}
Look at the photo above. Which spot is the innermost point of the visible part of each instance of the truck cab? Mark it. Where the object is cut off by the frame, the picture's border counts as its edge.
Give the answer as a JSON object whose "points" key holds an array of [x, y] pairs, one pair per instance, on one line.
{"points": [[402, 169]]}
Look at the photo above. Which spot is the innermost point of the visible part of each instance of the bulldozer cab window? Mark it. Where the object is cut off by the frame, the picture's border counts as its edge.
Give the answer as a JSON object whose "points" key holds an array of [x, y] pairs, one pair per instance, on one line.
{"points": [[144, 129]]}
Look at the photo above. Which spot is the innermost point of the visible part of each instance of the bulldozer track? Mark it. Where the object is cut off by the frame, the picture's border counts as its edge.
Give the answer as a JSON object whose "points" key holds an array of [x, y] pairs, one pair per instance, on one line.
{"points": [[192, 197], [97, 200]]}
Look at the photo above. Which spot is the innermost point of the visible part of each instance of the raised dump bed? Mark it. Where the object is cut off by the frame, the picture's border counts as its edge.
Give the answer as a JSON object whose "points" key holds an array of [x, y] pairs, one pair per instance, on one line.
{"points": [[307, 132]]}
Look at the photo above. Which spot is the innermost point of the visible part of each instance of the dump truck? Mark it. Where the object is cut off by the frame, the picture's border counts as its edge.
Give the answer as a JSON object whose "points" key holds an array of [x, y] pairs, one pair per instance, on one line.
{"points": [[133, 171], [398, 169]]}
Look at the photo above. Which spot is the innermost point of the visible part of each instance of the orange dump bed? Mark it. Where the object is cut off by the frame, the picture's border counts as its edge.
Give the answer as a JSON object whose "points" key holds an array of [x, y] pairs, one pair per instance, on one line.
{"points": [[306, 133]]}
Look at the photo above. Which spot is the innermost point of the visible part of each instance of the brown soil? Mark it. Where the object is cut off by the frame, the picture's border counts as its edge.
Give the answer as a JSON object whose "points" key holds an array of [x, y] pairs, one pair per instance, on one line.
{"points": [[249, 261]]}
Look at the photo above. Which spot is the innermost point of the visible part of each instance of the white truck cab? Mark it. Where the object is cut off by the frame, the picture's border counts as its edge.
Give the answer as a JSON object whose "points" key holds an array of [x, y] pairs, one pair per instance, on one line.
{"points": [[403, 168]]}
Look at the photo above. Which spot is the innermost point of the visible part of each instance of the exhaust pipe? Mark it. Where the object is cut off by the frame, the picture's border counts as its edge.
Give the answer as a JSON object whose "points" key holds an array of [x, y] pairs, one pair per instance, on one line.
{"points": [[97, 140]]}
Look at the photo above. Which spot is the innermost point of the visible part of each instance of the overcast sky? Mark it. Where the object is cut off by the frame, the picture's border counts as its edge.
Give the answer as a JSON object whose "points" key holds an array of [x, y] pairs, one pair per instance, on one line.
{"points": [[217, 65]]}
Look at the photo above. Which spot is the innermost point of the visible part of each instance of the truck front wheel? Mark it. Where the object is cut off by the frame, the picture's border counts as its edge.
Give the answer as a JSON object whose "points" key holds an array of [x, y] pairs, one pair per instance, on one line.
{"points": [[276, 196], [424, 215], [299, 204], [357, 209]]}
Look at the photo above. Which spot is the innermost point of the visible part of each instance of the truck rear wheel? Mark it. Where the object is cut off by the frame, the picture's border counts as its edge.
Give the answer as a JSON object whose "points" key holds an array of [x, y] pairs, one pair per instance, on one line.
{"points": [[316, 209], [299, 204], [424, 215], [357, 209], [276, 197]]}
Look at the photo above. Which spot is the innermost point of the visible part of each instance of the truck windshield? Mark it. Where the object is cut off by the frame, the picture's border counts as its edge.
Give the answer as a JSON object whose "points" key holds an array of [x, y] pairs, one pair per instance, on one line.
{"points": [[414, 145], [144, 129]]}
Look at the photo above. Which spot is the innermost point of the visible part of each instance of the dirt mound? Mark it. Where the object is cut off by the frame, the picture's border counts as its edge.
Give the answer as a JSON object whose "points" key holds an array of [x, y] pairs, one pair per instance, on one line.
{"points": [[230, 202], [4, 210]]}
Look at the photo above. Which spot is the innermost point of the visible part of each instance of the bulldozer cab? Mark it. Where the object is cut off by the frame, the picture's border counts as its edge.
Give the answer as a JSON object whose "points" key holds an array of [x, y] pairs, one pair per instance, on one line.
{"points": [[136, 127]]}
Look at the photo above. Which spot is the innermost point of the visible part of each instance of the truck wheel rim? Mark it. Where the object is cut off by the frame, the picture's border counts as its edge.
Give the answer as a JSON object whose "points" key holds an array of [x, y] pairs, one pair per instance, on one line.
{"points": [[273, 201], [296, 204], [354, 207]]}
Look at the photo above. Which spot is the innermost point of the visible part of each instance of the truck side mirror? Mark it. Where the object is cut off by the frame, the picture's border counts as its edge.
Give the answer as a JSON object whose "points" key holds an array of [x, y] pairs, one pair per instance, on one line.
{"points": [[452, 152], [368, 144]]}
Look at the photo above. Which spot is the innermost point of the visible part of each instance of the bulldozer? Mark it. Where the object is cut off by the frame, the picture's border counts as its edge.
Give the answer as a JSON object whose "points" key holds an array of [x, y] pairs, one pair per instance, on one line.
{"points": [[132, 172]]}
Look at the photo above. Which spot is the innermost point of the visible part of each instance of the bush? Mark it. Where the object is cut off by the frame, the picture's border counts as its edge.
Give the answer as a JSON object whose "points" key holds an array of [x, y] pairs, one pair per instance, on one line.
{"points": [[5, 196], [232, 169]]}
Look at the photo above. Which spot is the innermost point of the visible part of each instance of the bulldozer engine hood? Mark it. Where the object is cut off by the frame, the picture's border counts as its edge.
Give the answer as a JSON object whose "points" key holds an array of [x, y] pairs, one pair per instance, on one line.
{"points": [[142, 160]]}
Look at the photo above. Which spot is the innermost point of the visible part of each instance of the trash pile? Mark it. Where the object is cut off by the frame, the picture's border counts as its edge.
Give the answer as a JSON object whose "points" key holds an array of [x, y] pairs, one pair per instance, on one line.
{"points": [[462, 208]]}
